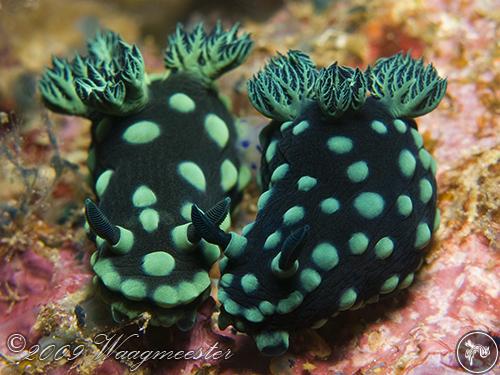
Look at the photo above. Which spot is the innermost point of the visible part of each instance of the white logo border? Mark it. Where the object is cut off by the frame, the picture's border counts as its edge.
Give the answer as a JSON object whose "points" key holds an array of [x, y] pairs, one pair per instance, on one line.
{"points": [[460, 343]]}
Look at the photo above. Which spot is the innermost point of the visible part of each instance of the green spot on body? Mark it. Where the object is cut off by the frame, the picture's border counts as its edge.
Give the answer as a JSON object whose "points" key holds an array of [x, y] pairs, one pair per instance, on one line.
{"points": [[433, 166], [384, 248], [407, 281], [187, 292], [379, 127], [267, 308], [290, 303], [236, 246], [179, 237], [193, 174], [229, 175], [423, 236], [112, 280], [389, 285], [300, 127], [369, 205], [210, 252], [232, 307], [102, 182], [358, 171], [133, 289], [143, 196], [293, 215], [166, 296], [285, 125], [419, 142], [271, 150], [272, 240], [358, 243], [325, 256], [269, 342], [186, 211], [217, 129], [158, 263], [244, 176], [253, 315], [223, 263], [310, 279], [400, 126], [149, 219], [425, 190], [125, 243], [247, 228], [280, 172], [407, 163], [86, 227], [226, 223], [329, 206], [222, 296], [181, 103], [339, 145], [226, 280], [437, 220], [201, 281], [347, 299], [93, 258], [249, 283], [99, 241], [106, 271], [306, 183], [404, 204], [264, 197], [425, 158], [141, 132]]}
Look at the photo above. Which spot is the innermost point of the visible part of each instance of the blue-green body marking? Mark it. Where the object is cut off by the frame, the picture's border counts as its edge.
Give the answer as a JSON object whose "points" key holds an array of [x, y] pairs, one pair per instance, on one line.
{"points": [[326, 258], [156, 157]]}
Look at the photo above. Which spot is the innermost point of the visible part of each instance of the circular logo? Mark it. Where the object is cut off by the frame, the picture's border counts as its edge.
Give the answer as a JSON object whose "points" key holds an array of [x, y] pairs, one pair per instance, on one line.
{"points": [[477, 352]]}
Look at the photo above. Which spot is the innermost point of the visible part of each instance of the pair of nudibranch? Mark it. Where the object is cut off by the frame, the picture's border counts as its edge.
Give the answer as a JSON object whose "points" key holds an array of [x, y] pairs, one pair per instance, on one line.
{"points": [[349, 193]]}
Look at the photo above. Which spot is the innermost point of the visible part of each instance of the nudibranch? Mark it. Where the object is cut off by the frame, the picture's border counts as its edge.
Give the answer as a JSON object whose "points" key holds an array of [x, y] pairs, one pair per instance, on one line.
{"points": [[159, 144], [350, 200]]}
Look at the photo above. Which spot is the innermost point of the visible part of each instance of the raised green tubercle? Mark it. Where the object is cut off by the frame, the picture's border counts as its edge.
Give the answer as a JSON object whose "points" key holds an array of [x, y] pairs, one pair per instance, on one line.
{"points": [[358, 243], [325, 256]]}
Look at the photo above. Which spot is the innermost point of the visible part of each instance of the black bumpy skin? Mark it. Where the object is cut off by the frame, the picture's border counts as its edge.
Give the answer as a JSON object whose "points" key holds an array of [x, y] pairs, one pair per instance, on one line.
{"points": [[350, 200], [159, 145]]}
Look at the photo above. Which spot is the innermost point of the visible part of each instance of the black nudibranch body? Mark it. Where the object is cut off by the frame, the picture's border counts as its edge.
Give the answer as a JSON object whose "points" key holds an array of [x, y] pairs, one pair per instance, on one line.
{"points": [[159, 145], [350, 195]]}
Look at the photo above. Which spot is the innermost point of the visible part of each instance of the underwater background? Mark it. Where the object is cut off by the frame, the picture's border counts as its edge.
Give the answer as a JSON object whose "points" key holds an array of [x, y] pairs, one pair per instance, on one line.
{"points": [[44, 253]]}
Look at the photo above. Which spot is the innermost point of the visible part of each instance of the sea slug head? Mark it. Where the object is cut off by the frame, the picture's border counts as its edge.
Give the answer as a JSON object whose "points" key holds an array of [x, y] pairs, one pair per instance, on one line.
{"points": [[146, 257], [255, 302]]}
